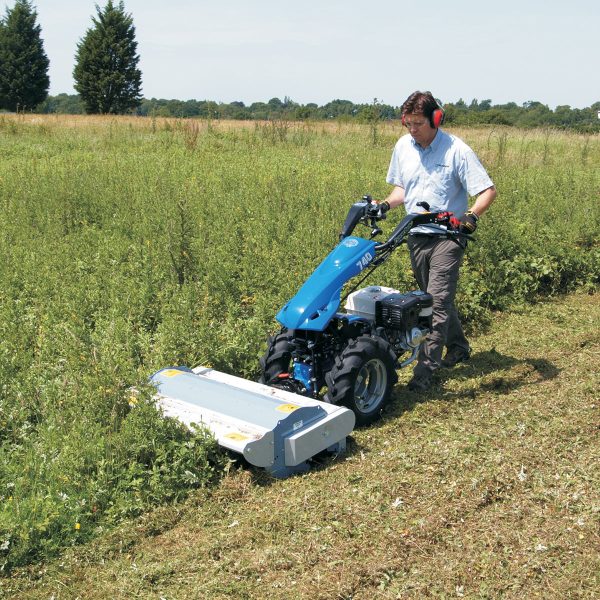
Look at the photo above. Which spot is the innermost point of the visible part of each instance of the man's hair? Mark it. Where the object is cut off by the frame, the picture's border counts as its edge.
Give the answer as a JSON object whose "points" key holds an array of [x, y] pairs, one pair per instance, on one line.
{"points": [[420, 103]]}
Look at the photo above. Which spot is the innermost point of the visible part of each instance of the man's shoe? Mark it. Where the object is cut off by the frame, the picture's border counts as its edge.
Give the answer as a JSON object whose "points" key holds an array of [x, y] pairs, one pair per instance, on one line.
{"points": [[420, 383], [454, 356]]}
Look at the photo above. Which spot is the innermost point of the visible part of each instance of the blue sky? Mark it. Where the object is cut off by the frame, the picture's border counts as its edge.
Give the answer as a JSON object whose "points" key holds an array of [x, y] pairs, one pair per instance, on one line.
{"points": [[316, 51]]}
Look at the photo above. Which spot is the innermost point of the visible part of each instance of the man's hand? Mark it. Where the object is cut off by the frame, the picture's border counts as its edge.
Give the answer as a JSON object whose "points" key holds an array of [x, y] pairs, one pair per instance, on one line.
{"points": [[378, 210], [468, 224], [384, 206]]}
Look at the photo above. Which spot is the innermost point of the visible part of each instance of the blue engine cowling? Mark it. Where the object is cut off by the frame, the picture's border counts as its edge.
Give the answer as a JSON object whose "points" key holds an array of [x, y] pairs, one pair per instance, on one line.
{"points": [[318, 300]]}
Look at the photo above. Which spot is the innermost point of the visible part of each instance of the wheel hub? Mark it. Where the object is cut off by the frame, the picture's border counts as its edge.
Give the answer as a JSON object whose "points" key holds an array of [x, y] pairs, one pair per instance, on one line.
{"points": [[371, 384]]}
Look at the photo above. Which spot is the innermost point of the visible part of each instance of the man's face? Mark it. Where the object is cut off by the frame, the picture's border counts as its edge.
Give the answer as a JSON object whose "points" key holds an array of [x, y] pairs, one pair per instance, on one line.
{"points": [[420, 128]]}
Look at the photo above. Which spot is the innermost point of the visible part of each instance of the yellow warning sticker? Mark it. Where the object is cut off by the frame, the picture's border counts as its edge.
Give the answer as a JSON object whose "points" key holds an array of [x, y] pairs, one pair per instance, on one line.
{"points": [[287, 408], [171, 372], [239, 437]]}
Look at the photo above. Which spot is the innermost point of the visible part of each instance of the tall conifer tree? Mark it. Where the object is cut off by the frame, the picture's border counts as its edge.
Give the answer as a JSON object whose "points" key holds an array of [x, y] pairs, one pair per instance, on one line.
{"points": [[106, 73], [24, 80]]}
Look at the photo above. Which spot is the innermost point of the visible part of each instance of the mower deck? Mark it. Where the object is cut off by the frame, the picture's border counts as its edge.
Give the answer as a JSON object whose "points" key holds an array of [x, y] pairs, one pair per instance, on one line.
{"points": [[272, 428]]}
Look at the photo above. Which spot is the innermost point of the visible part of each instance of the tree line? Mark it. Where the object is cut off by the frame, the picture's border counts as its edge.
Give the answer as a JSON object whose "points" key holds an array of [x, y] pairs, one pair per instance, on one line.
{"points": [[529, 114], [108, 81]]}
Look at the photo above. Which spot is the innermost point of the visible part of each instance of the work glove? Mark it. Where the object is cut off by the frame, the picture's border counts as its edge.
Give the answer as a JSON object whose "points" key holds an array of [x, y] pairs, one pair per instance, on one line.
{"points": [[379, 210], [468, 223], [382, 208]]}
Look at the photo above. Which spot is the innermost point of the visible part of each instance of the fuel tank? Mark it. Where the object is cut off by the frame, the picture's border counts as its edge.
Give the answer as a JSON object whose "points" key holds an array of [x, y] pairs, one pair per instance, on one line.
{"points": [[318, 300]]}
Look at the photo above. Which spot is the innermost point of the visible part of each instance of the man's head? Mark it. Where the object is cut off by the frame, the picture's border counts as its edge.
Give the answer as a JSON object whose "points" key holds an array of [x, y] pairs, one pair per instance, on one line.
{"points": [[422, 115]]}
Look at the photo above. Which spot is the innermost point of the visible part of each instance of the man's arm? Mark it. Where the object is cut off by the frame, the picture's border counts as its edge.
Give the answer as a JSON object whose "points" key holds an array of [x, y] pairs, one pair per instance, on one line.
{"points": [[396, 198], [483, 202]]}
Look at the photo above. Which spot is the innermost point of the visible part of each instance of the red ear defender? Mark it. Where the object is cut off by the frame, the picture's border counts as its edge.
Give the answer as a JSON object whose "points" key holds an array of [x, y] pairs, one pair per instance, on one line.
{"points": [[437, 118]]}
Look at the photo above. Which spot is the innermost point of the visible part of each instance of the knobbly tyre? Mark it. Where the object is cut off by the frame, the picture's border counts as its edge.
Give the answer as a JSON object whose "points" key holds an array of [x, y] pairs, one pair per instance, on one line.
{"points": [[350, 358]]}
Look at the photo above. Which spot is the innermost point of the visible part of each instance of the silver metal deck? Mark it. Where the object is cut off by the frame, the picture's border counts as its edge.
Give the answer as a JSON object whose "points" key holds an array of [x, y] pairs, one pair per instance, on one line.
{"points": [[274, 429]]}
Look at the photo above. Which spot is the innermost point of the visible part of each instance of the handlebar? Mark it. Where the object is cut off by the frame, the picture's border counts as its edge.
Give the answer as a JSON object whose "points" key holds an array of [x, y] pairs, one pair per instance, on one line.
{"points": [[364, 212], [414, 220], [367, 213]]}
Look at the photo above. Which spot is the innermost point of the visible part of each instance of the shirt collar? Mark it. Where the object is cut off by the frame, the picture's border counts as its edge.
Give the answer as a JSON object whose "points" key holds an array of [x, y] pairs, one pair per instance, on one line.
{"points": [[437, 140]]}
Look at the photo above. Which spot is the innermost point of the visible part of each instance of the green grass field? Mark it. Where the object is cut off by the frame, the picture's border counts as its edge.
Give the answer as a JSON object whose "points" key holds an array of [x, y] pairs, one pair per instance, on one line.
{"points": [[486, 487], [133, 244]]}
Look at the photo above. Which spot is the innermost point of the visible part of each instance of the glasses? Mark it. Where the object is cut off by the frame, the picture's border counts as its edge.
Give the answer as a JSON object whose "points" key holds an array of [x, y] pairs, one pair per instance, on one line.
{"points": [[414, 124]]}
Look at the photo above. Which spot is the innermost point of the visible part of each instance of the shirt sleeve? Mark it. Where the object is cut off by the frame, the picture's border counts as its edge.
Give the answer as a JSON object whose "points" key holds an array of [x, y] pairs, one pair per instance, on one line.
{"points": [[394, 175], [472, 174]]}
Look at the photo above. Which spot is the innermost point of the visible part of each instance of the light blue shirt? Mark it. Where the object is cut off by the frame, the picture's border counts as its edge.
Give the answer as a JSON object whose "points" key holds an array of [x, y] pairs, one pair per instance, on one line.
{"points": [[444, 175]]}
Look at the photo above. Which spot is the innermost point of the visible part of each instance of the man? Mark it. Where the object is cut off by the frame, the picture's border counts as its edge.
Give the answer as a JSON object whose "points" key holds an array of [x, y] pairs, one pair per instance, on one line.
{"points": [[433, 166]]}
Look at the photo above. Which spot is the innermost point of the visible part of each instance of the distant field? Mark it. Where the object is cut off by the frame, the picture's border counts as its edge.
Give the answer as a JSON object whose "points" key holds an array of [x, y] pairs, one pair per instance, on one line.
{"points": [[129, 244]]}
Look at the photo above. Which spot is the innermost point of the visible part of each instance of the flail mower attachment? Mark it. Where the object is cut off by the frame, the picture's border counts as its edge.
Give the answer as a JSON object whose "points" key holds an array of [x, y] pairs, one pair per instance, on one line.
{"points": [[271, 428]]}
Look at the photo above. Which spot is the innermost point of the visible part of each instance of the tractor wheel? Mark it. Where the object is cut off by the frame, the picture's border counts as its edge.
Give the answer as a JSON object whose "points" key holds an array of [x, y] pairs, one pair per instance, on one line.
{"points": [[277, 358], [362, 378]]}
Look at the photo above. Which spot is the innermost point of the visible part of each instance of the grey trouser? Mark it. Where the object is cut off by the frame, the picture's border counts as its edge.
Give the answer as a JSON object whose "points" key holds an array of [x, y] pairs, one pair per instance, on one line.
{"points": [[435, 263]]}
